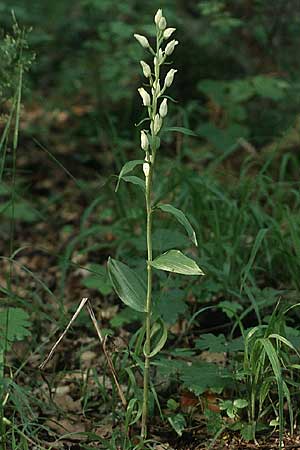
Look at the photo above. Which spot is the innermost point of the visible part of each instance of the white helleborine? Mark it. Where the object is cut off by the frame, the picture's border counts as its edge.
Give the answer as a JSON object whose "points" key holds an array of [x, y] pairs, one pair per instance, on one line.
{"points": [[145, 97], [170, 47], [142, 40], [146, 69], [163, 109], [162, 23], [158, 16], [168, 32], [169, 78], [157, 124], [144, 141]]}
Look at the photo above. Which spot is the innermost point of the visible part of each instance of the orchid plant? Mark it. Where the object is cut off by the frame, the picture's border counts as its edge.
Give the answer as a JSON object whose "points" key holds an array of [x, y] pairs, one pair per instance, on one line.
{"points": [[128, 285]]}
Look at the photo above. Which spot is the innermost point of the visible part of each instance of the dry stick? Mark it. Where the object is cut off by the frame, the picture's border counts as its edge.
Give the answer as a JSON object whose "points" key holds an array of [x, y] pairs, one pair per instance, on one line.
{"points": [[102, 340], [82, 303], [107, 356]]}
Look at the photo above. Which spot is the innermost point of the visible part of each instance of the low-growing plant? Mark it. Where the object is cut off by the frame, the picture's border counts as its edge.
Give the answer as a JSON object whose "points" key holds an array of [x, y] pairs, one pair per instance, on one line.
{"points": [[268, 363], [128, 284], [14, 322]]}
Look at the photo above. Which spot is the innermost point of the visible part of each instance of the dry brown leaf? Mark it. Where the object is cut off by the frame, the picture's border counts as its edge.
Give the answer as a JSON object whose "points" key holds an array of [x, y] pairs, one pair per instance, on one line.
{"points": [[87, 358], [67, 403], [65, 426]]}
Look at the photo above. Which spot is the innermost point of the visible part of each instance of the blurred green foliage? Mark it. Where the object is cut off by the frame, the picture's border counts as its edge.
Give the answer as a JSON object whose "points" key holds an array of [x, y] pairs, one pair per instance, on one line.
{"points": [[239, 70]]}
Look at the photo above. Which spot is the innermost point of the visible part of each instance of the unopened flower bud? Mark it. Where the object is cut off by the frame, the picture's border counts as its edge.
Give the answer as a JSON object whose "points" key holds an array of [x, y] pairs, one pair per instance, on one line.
{"points": [[162, 23], [145, 97], [158, 16], [146, 69], [157, 124], [163, 109], [168, 32], [142, 40], [144, 141], [146, 169], [170, 47], [160, 56], [156, 87], [169, 78]]}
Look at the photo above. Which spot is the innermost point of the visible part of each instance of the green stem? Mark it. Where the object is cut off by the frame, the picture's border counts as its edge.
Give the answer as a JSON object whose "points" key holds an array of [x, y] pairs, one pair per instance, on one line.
{"points": [[150, 158], [148, 304]]}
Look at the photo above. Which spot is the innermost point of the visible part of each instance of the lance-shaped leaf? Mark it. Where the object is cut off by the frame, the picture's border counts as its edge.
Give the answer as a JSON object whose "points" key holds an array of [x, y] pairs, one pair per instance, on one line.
{"points": [[181, 217], [175, 261], [182, 130], [127, 168], [158, 326], [128, 285], [135, 180]]}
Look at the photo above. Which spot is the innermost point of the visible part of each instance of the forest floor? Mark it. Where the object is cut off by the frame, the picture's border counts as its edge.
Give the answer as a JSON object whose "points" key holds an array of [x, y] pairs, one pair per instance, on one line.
{"points": [[65, 401]]}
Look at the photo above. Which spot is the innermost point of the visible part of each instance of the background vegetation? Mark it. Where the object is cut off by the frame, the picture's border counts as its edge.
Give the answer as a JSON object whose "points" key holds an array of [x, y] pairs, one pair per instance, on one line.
{"points": [[74, 67]]}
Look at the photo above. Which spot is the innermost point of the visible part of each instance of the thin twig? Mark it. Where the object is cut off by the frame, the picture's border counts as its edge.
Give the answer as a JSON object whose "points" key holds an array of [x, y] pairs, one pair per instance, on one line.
{"points": [[85, 301], [107, 356], [82, 303]]}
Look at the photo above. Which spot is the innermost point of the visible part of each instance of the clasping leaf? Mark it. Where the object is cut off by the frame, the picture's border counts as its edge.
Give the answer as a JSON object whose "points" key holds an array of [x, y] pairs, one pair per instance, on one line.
{"points": [[159, 325]]}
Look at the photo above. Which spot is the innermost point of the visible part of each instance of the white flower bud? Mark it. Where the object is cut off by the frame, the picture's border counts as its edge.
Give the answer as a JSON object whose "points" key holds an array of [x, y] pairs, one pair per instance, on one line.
{"points": [[170, 47], [162, 23], [163, 109], [144, 141], [157, 123], [146, 69], [169, 78], [168, 32], [142, 40], [156, 87], [160, 56], [145, 97], [146, 169], [158, 16]]}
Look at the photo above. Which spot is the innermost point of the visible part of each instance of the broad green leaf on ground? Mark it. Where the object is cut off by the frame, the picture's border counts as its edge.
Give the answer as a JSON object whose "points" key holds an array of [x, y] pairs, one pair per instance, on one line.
{"points": [[126, 316], [21, 210], [270, 87], [223, 139], [218, 344], [127, 168], [198, 377], [130, 288], [177, 262], [14, 324], [98, 279], [181, 217], [170, 305], [202, 376], [211, 343], [178, 423]]}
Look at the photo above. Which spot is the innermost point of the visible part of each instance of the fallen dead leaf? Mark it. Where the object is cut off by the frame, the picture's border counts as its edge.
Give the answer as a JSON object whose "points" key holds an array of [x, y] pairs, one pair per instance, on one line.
{"points": [[87, 358], [65, 426], [67, 403]]}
